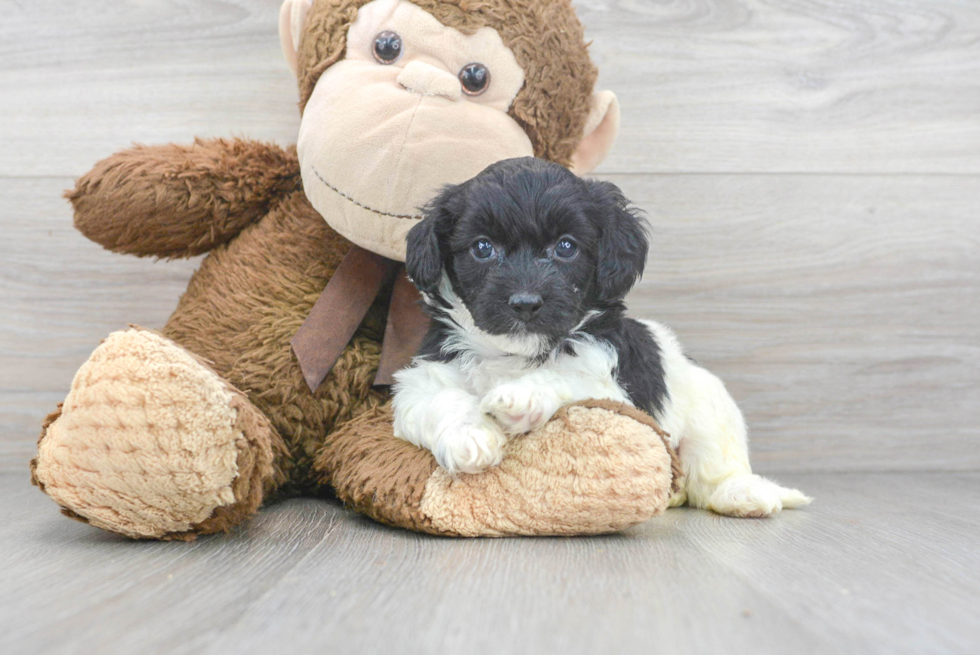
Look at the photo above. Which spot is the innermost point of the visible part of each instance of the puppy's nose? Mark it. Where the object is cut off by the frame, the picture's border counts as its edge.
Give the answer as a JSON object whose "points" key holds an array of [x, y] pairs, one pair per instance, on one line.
{"points": [[525, 304]]}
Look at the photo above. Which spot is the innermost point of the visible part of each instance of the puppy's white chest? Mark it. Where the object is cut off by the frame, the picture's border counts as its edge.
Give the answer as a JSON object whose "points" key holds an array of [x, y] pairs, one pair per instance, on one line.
{"points": [[592, 367], [482, 375]]}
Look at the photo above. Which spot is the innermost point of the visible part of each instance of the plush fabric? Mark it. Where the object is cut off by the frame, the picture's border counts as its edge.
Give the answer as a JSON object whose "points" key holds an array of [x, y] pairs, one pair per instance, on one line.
{"points": [[552, 482], [372, 155], [187, 199], [185, 432], [545, 36], [556, 481], [600, 133], [151, 443], [231, 332]]}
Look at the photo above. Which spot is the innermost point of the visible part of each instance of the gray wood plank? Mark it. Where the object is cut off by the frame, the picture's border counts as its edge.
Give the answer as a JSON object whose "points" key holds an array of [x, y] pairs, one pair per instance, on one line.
{"points": [[705, 85], [61, 295], [790, 86], [841, 310], [880, 563], [82, 80]]}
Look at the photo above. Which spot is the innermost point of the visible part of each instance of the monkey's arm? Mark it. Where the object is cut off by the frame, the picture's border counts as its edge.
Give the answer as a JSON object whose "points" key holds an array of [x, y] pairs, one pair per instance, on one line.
{"points": [[180, 201]]}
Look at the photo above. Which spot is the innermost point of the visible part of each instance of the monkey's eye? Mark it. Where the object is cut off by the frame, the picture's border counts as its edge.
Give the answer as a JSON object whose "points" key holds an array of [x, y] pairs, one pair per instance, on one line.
{"points": [[475, 79], [483, 250], [387, 47], [566, 248]]}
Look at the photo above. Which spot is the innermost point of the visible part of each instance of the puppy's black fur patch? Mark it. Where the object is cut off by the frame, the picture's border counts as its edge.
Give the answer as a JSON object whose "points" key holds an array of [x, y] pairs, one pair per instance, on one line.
{"points": [[532, 250]]}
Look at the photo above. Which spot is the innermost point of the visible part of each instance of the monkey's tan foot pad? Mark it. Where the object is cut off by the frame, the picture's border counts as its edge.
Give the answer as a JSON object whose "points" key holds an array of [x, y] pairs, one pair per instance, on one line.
{"points": [[596, 468], [151, 443]]}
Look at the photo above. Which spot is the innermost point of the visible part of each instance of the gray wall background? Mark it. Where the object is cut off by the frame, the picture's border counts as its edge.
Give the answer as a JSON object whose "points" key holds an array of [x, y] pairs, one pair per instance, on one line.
{"points": [[811, 169]]}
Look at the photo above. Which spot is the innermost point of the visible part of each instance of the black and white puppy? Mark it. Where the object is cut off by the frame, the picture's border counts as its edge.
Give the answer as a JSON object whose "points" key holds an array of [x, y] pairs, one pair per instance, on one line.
{"points": [[524, 270]]}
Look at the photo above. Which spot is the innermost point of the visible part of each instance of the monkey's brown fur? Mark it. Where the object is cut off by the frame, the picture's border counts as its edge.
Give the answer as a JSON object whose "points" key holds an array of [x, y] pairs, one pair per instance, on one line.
{"points": [[270, 258]]}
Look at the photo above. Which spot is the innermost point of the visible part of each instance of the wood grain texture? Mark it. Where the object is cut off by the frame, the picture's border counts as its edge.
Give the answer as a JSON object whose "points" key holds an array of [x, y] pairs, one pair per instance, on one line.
{"points": [[791, 85], [877, 564], [705, 85], [840, 310], [82, 80], [840, 305], [61, 295]]}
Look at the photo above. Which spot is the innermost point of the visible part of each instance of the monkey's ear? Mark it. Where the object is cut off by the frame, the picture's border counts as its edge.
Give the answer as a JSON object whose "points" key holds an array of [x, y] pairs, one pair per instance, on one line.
{"points": [[601, 128], [292, 14]]}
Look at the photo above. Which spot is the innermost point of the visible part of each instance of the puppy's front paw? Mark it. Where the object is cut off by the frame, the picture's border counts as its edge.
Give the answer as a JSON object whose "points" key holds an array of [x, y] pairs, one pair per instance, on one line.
{"points": [[520, 408], [469, 448], [754, 496]]}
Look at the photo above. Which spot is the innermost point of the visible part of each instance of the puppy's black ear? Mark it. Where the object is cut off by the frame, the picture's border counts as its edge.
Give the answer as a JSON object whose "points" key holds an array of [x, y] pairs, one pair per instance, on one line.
{"points": [[623, 242], [424, 256], [423, 259]]}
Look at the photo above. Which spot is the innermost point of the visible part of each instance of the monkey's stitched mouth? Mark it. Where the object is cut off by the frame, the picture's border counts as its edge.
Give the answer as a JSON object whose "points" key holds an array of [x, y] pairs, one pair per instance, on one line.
{"points": [[346, 197]]}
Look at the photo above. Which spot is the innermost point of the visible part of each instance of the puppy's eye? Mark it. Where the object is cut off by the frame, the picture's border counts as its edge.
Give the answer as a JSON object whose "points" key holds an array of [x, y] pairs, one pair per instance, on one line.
{"points": [[566, 249], [483, 250], [387, 47], [475, 79]]}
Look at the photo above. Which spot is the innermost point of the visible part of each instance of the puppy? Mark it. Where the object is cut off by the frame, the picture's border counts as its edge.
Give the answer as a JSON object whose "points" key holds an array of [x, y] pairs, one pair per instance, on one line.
{"points": [[523, 270]]}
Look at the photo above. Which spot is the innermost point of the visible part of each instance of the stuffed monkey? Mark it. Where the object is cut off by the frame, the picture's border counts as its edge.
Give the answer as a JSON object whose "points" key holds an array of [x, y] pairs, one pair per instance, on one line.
{"points": [[263, 381]]}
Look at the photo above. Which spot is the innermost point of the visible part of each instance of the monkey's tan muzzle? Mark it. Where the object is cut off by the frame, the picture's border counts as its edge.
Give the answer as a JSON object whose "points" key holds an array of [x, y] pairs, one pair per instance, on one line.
{"points": [[369, 168]]}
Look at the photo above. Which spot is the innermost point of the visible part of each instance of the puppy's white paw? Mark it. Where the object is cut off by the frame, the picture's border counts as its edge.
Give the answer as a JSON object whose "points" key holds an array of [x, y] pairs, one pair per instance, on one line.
{"points": [[520, 408], [754, 496], [469, 448]]}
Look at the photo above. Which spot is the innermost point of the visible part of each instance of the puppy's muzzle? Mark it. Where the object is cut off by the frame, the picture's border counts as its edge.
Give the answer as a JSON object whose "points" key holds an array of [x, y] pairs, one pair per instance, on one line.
{"points": [[525, 305]]}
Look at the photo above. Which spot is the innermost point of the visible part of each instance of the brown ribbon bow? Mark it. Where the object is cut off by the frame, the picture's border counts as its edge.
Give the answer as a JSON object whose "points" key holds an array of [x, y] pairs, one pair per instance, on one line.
{"points": [[343, 305]]}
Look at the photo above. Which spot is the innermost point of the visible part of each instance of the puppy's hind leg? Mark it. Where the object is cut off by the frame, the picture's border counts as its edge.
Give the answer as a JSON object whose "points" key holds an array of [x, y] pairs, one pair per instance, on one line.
{"points": [[715, 457]]}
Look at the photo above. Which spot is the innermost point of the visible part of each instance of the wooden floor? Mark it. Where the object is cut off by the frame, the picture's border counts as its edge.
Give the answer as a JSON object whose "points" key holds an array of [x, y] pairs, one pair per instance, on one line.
{"points": [[882, 563], [811, 169]]}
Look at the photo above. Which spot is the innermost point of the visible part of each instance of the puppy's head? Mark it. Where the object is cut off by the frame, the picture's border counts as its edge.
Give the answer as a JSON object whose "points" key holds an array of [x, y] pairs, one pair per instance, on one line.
{"points": [[529, 248]]}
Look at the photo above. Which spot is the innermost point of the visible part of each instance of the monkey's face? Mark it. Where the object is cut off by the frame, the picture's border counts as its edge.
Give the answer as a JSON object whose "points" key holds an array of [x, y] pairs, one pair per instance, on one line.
{"points": [[413, 106]]}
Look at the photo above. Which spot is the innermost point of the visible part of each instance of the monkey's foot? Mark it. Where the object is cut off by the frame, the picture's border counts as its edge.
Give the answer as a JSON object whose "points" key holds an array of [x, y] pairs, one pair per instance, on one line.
{"points": [[151, 443], [595, 468]]}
